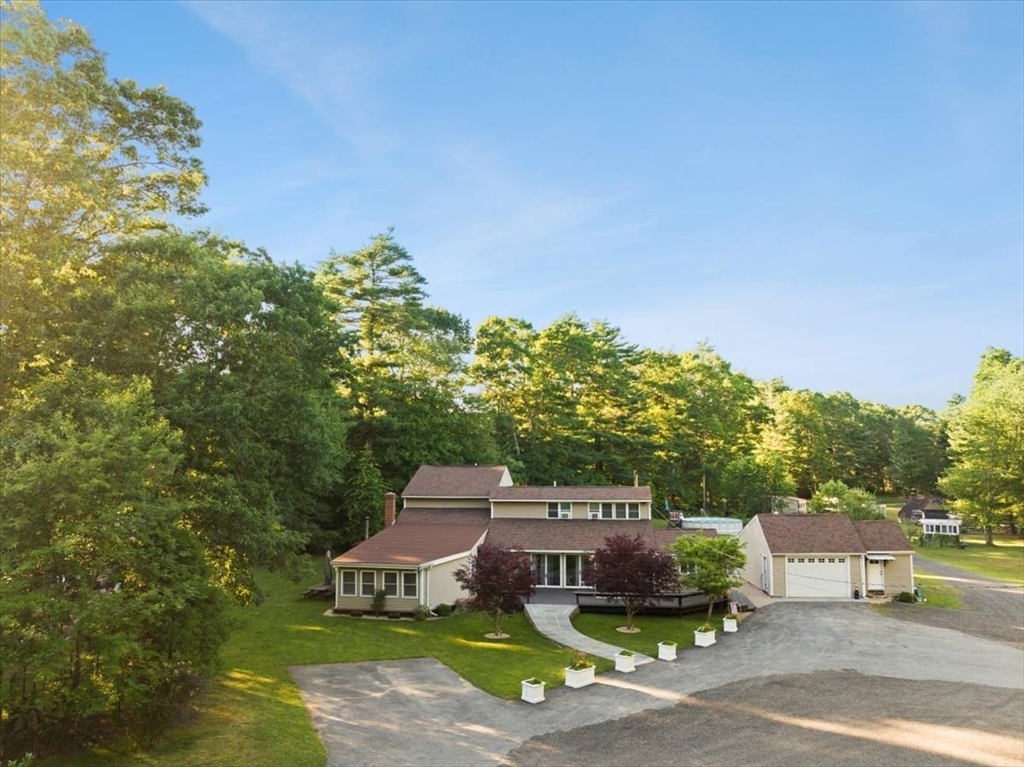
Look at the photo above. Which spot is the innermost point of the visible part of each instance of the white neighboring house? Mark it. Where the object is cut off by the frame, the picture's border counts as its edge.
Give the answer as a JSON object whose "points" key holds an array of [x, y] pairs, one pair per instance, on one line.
{"points": [[826, 556]]}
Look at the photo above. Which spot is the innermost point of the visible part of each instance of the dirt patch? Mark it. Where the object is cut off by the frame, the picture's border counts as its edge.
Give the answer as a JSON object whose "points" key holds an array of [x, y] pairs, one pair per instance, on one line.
{"points": [[833, 717]]}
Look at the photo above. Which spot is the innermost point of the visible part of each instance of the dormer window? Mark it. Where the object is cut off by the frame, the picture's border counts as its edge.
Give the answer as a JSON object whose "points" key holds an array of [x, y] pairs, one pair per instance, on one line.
{"points": [[560, 510]]}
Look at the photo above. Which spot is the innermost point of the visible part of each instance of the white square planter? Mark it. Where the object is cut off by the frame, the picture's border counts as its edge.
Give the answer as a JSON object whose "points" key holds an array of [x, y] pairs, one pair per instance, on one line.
{"points": [[703, 638], [533, 692], [666, 650], [625, 663], [579, 677], [730, 624]]}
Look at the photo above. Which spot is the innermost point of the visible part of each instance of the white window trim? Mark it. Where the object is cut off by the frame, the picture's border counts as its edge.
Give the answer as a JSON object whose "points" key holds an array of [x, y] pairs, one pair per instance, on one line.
{"points": [[415, 584], [362, 584], [384, 582], [355, 583], [562, 509]]}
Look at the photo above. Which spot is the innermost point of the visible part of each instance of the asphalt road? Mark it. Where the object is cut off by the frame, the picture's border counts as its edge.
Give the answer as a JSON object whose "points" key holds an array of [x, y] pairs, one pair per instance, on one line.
{"points": [[823, 718], [816, 684]]}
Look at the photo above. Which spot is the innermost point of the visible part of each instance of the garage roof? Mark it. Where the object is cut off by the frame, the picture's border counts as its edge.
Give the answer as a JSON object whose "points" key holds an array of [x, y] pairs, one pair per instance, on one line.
{"points": [[810, 533]]}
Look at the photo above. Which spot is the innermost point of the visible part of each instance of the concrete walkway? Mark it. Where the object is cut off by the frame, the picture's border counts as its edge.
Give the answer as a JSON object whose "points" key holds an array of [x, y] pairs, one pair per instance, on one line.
{"points": [[555, 622]]}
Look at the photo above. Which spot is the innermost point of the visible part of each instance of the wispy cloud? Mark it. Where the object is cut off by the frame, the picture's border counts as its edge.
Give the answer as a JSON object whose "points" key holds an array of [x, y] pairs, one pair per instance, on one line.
{"points": [[316, 57]]}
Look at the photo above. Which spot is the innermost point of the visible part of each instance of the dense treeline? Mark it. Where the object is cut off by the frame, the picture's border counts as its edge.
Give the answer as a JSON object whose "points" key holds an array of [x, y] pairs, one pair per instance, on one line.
{"points": [[177, 408]]}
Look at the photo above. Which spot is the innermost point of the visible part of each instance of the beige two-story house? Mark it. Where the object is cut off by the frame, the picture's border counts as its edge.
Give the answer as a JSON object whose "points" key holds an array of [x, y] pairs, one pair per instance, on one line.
{"points": [[448, 511]]}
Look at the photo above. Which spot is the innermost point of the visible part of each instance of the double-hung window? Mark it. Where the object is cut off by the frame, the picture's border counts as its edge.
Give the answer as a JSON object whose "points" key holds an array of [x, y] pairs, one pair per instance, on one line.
{"points": [[348, 583], [409, 585], [391, 584], [560, 510], [367, 583]]}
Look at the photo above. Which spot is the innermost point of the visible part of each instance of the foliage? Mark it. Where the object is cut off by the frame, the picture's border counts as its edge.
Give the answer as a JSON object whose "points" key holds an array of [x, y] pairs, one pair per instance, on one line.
{"points": [[986, 439], [422, 612], [906, 597], [363, 497], [710, 564], [855, 503], [108, 612], [498, 580], [85, 159], [755, 485], [580, 661], [407, 384], [379, 600], [632, 573], [919, 450]]}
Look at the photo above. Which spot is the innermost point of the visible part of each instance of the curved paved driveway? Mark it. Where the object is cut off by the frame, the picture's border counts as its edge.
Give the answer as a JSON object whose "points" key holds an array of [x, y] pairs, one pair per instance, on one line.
{"points": [[419, 712]]}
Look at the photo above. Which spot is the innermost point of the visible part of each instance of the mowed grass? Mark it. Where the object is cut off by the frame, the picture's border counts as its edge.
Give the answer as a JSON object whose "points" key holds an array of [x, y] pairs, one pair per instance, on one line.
{"points": [[653, 629], [939, 594], [253, 713], [1004, 561]]}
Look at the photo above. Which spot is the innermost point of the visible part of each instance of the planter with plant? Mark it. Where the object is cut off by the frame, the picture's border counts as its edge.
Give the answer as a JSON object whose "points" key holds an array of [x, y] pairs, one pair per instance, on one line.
{"points": [[704, 636], [533, 690], [712, 566], [579, 672], [730, 624], [625, 661], [666, 650]]}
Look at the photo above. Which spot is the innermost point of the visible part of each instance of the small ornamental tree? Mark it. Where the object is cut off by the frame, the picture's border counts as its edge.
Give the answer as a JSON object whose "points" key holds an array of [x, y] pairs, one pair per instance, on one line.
{"points": [[632, 573], [498, 580], [710, 564]]}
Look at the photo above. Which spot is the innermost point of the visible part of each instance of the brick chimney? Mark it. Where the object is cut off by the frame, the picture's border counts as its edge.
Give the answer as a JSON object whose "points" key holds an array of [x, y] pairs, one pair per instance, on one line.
{"points": [[390, 501]]}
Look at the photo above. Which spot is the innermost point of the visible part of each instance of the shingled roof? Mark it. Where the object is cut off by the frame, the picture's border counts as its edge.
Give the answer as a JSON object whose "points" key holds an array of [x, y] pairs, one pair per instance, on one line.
{"points": [[830, 534], [810, 533], [571, 493], [882, 535], [410, 543], [455, 481]]}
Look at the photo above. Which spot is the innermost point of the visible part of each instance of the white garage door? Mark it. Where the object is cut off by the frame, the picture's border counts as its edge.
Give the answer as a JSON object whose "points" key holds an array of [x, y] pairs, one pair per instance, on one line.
{"points": [[817, 577]]}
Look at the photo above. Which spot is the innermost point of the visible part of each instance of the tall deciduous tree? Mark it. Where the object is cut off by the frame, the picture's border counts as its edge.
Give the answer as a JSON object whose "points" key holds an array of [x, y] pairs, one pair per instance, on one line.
{"points": [[710, 564], [85, 159], [108, 613], [498, 581], [631, 572], [986, 439], [755, 485]]}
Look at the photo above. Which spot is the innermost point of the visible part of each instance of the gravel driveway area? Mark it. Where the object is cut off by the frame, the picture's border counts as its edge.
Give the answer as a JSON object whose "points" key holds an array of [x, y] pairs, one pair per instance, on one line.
{"points": [[992, 609]]}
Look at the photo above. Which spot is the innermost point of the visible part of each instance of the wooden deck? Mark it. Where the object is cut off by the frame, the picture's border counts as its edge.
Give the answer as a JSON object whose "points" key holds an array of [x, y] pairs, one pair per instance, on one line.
{"points": [[667, 604]]}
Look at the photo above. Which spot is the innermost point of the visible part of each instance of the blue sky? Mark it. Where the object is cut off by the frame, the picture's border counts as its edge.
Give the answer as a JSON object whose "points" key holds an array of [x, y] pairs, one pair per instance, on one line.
{"points": [[828, 193]]}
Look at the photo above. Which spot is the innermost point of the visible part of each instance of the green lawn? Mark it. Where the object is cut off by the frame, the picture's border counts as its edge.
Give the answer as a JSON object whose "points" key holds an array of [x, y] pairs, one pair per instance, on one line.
{"points": [[939, 594], [1004, 561], [652, 630], [253, 713]]}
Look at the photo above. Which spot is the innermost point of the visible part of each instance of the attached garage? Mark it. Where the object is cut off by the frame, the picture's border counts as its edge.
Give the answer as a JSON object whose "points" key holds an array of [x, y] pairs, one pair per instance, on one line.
{"points": [[827, 576]]}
